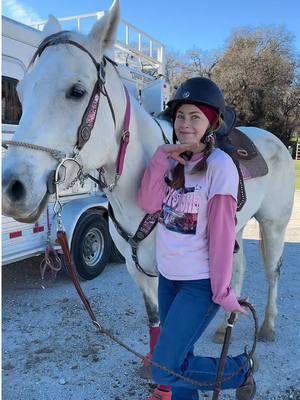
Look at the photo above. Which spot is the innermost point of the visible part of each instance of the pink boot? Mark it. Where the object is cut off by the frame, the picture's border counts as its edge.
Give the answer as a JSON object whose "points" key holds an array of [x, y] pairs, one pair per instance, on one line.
{"points": [[144, 370], [159, 394]]}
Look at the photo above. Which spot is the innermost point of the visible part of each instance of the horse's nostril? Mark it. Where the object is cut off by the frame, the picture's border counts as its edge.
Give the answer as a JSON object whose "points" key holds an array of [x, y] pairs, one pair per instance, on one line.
{"points": [[16, 190]]}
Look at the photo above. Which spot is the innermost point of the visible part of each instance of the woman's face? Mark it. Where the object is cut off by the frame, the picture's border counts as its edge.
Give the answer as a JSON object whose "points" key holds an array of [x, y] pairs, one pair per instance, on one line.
{"points": [[190, 124]]}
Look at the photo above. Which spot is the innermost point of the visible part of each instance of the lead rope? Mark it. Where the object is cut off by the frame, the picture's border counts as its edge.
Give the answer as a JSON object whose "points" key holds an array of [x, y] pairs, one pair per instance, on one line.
{"points": [[62, 240]]}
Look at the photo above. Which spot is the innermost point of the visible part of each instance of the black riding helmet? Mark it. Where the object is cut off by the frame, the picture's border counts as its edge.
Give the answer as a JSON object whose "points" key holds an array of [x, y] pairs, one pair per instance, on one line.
{"points": [[198, 90]]}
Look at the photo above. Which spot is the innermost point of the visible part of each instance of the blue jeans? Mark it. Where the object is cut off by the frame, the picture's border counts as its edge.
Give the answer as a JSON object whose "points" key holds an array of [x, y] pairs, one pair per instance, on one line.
{"points": [[186, 308]]}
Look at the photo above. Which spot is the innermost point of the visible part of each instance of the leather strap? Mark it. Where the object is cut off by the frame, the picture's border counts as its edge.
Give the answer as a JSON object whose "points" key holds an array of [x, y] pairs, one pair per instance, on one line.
{"points": [[89, 117], [62, 240], [125, 136], [162, 132], [146, 226], [223, 356], [59, 38]]}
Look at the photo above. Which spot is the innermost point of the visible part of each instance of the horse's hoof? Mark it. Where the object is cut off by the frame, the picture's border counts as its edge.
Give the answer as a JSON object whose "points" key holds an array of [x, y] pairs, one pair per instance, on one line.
{"points": [[266, 335], [218, 337], [144, 372]]}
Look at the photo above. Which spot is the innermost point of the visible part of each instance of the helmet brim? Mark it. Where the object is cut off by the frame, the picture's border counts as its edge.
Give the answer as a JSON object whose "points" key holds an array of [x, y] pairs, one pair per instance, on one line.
{"points": [[174, 104]]}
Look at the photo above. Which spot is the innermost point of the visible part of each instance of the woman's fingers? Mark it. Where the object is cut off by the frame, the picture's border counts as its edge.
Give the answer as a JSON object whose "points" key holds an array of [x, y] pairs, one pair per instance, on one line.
{"points": [[174, 150], [177, 148], [178, 158]]}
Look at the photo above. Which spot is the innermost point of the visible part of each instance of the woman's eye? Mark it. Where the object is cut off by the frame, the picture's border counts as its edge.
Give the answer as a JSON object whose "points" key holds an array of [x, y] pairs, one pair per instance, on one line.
{"points": [[76, 92]]}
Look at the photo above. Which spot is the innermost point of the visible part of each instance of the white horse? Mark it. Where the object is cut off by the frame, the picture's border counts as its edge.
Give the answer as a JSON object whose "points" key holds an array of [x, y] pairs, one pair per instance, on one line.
{"points": [[55, 94]]}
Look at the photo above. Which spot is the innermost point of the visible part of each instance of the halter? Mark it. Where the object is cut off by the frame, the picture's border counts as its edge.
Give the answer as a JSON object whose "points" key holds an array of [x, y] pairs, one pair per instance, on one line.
{"points": [[87, 123]]}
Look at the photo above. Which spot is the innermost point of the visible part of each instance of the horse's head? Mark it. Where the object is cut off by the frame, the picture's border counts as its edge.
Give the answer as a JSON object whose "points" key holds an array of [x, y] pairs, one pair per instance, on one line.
{"points": [[56, 95]]}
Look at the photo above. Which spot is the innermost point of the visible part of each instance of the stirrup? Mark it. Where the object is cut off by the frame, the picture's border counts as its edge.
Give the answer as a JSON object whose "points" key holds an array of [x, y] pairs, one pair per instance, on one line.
{"points": [[253, 362], [158, 394]]}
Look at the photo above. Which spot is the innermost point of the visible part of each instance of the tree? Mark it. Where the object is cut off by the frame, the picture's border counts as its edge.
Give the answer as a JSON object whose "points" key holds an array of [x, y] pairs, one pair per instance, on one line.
{"points": [[258, 76], [194, 62]]}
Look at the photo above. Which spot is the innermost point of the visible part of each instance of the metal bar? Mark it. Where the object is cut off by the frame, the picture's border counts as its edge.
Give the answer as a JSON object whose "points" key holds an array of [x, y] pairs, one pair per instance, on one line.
{"points": [[126, 35]]}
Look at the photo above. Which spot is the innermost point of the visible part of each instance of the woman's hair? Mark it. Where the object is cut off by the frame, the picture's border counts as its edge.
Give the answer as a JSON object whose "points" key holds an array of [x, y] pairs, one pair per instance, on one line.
{"points": [[178, 181]]}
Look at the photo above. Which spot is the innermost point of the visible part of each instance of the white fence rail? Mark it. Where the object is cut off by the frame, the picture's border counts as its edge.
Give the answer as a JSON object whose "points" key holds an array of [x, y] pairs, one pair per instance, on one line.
{"points": [[131, 41]]}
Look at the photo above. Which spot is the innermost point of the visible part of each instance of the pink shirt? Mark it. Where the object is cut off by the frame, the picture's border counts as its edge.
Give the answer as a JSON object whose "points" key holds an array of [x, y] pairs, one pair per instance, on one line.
{"points": [[196, 231]]}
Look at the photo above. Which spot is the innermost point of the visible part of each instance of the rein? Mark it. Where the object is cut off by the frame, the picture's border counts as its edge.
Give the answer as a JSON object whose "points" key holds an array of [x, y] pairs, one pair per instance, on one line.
{"points": [[146, 226], [62, 240]]}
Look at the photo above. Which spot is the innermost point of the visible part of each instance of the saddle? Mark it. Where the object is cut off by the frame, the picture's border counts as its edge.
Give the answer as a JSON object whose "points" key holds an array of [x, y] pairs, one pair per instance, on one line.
{"points": [[233, 141], [245, 155]]}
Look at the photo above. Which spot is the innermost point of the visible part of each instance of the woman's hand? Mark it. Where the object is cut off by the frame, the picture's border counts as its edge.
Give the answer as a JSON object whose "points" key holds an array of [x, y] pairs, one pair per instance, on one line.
{"points": [[174, 150], [243, 310]]}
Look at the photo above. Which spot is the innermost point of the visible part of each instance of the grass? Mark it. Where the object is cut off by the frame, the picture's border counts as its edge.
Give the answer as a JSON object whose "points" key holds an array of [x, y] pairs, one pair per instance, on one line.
{"points": [[297, 166]]}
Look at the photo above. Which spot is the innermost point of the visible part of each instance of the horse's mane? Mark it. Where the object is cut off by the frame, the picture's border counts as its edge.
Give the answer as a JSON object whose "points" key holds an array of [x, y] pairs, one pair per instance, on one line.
{"points": [[51, 40]]}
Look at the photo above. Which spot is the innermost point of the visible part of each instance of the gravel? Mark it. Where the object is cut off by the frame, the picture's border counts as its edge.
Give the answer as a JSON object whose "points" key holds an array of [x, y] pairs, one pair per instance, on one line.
{"points": [[51, 349]]}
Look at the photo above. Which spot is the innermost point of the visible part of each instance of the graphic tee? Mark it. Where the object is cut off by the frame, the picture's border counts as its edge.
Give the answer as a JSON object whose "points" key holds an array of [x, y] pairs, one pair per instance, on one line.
{"points": [[182, 244]]}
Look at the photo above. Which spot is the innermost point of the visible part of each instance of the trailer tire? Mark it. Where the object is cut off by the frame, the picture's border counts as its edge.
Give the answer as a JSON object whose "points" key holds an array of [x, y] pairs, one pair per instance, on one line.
{"points": [[116, 256], [91, 245]]}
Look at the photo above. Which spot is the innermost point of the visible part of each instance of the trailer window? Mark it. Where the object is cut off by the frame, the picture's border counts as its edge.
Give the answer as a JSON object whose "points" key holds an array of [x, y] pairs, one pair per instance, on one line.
{"points": [[11, 107]]}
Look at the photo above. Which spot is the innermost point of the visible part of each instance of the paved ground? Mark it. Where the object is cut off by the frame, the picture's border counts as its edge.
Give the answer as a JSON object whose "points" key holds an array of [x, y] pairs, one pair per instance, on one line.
{"points": [[51, 351], [293, 232]]}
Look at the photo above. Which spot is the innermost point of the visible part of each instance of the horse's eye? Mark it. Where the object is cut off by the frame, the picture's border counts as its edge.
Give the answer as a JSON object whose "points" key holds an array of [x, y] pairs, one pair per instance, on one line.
{"points": [[75, 92]]}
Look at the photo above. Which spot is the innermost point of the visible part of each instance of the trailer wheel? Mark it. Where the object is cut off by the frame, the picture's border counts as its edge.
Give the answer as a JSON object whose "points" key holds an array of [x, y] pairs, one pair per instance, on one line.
{"points": [[116, 256], [91, 245]]}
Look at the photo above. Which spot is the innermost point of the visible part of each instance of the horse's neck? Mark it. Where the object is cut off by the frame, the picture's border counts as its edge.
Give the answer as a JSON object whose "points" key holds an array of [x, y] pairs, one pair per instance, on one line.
{"points": [[145, 137]]}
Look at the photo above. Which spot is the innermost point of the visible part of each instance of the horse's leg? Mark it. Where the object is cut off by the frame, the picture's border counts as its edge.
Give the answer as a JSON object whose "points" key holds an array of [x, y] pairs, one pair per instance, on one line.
{"points": [[148, 286], [239, 263], [272, 242]]}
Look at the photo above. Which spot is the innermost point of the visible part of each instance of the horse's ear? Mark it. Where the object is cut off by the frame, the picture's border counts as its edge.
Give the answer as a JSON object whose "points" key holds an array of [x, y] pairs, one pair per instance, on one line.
{"points": [[104, 31], [52, 26]]}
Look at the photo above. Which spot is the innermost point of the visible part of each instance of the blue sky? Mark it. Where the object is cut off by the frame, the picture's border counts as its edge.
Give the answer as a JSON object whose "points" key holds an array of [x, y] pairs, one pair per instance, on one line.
{"points": [[179, 24]]}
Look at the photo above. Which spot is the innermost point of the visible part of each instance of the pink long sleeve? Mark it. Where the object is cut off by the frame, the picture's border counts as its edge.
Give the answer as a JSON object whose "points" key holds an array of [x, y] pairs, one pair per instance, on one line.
{"points": [[152, 189], [221, 239]]}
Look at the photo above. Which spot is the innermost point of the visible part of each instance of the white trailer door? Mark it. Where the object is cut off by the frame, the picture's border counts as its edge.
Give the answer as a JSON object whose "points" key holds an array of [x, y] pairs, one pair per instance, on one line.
{"points": [[154, 97]]}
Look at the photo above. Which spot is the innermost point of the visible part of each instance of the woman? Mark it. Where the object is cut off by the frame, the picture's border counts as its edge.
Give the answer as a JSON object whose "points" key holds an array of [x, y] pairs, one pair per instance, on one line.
{"points": [[195, 186]]}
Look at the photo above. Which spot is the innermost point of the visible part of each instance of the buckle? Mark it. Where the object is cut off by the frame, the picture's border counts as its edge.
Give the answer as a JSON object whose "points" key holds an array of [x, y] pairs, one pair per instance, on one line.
{"points": [[125, 135], [132, 242], [101, 73]]}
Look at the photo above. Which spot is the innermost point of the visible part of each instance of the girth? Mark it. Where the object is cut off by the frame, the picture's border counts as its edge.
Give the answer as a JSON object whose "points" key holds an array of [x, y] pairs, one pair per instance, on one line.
{"points": [[146, 226]]}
